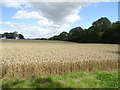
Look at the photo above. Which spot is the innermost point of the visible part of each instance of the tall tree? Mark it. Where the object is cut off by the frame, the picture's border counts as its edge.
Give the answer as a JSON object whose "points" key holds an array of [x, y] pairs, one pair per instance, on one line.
{"points": [[112, 34], [20, 36], [63, 36], [101, 31], [12, 35], [102, 22], [76, 34], [98, 28], [15, 34]]}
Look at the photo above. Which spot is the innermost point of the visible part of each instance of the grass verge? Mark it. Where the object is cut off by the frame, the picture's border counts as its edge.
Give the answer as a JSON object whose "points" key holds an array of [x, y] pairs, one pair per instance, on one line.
{"points": [[95, 79]]}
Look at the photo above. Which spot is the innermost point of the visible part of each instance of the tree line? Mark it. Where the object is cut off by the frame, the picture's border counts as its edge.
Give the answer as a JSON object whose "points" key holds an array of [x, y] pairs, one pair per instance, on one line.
{"points": [[12, 35], [101, 31]]}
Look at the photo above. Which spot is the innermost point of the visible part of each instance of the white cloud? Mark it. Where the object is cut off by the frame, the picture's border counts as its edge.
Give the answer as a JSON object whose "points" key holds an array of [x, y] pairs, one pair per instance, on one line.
{"points": [[51, 24], [45, 22], [23, 14], [51, 13], [4, 30], [32, 31], [9, 24], [36, 31], [42, 21], [1, 22], [53, 17], [58, 12], [12, 25], [15, 3], [27, 3], [73, 17], [71, 0]]}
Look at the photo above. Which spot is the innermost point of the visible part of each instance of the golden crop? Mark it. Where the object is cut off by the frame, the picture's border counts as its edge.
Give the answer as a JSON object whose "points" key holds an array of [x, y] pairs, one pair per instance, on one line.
{"points": [[31, 58]]}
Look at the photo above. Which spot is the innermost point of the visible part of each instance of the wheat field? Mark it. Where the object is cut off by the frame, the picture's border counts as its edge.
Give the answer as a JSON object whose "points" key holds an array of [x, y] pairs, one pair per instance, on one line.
{"points": [[32, 58]]}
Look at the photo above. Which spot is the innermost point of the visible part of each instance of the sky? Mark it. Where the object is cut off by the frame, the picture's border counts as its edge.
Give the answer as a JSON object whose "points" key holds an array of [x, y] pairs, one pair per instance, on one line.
{"points": [[46, 19]]}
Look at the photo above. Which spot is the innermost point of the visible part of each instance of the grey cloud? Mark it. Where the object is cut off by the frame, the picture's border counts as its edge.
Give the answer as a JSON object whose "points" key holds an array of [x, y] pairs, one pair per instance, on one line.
{"points": [[57, 11]]}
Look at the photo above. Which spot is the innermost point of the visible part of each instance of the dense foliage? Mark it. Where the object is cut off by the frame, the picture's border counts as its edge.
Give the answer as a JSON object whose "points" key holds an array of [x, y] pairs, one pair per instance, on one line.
{"points": [[101, 31], [11, 35]]}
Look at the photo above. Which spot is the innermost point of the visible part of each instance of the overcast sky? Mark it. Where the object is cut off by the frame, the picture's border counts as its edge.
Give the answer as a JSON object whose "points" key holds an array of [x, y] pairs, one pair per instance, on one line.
{"points": [[45, 19]]}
